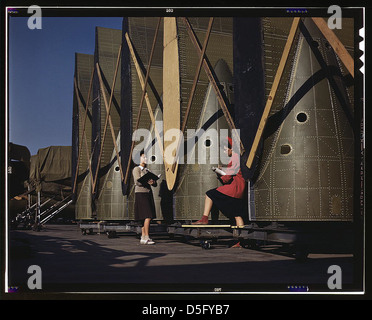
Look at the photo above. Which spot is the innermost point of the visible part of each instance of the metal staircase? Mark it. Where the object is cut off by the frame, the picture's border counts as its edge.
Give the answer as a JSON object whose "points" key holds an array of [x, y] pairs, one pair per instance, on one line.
{"points": [[37, 215]]}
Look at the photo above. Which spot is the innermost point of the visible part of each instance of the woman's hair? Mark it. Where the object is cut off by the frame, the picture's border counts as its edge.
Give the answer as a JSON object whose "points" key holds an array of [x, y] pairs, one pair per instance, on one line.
{"points": [[142, 152], [229, 142]]}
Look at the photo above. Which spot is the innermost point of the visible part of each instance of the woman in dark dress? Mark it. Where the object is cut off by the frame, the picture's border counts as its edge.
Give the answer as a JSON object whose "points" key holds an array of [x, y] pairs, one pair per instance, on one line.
{"points": [[144, 206], [229, 197]]}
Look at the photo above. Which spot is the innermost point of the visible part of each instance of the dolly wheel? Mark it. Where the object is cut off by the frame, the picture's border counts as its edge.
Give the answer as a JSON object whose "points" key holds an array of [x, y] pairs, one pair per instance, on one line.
{"points": [[205, 244], [111, 234], [36, 227], [301, 253]]}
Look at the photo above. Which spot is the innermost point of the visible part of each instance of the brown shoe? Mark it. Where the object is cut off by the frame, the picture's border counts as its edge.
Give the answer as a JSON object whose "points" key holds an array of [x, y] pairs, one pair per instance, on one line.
{"points": [[203, 220]]}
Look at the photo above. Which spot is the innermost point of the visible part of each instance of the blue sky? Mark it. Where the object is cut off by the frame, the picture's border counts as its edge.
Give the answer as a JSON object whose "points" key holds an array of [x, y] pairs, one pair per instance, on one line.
{"points": [[41, 70]]}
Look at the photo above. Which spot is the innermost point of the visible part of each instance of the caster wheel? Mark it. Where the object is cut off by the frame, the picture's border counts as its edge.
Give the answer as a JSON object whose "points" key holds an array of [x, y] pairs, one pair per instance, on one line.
{"points": [[83, 232], [186, 239], [36, 227], [301, 253], [111, 234], [251, 244], [206, 245]]}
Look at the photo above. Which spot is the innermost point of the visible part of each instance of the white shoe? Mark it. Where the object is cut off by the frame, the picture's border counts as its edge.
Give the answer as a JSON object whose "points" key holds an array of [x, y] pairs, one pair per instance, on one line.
{"points": [[147, 241]]}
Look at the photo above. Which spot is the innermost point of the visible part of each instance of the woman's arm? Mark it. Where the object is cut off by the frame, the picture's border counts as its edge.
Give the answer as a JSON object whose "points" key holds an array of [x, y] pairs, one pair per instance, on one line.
{"points": [[233, 166], [153, 183], [136, 176], [226, 179]]}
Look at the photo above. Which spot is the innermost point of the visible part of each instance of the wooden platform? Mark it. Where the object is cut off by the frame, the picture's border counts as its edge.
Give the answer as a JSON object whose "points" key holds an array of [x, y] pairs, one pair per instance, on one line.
{"points": [[205, 226]]}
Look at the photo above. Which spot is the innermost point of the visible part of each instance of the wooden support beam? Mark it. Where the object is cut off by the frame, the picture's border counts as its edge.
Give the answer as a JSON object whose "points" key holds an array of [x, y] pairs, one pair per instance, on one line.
{"points": [[192, 93], [142, 82], [197, 73], [336, 44], [108, 118], [144, 93], [213, 81], [273, 90], [83, 133]]}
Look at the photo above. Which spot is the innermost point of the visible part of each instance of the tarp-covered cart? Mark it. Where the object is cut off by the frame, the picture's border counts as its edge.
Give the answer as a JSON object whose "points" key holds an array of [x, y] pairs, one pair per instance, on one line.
{"points": [[49, 185]]}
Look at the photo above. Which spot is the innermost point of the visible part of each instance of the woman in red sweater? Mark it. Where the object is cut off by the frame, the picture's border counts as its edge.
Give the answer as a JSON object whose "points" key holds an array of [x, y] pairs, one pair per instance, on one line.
{"points": [[229, 197]]}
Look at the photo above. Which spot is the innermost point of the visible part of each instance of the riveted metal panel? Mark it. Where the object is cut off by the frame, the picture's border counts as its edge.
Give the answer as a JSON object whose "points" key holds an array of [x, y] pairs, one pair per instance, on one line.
{"points": [[108, 204], [112, 204], [83, 70], [195, 179], [307, 162], [141, 32]]}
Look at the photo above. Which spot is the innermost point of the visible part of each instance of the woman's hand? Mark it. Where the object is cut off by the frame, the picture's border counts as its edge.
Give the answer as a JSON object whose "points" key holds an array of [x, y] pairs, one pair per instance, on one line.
{"points": [[151, 182]]}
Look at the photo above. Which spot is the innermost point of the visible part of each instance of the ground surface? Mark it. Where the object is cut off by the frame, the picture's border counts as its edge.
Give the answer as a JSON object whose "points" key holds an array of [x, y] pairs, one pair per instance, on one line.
{"points": [[73, 262]]}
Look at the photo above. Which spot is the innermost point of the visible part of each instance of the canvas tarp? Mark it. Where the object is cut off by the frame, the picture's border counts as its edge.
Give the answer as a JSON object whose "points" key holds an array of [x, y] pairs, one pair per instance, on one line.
{"points": [[51, 164]]}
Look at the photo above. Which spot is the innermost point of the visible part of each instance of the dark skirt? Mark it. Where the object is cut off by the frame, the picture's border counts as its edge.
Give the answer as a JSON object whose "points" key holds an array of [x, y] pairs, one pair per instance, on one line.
{"points": [[144, 206], [229, 206]]}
